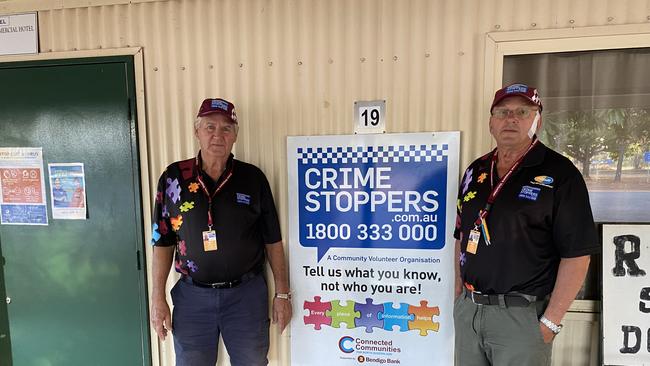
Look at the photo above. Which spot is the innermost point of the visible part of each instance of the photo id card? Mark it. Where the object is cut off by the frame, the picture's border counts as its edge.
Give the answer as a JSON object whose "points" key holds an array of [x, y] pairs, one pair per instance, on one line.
{"points": [[472, 242], [209, 240]]}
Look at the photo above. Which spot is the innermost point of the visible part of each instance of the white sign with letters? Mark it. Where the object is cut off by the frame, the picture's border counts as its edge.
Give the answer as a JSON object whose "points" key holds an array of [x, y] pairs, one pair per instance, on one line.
{"points": [[18, 34], [626, 294], [370, 116], [371, 221]]}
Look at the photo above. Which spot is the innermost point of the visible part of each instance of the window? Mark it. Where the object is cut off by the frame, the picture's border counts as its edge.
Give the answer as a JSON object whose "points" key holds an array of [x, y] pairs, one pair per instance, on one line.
{"points": [[597, 113]]}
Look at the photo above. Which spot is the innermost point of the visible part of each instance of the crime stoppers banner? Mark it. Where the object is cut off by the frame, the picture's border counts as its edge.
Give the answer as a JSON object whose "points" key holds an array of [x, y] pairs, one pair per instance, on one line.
{"points": [[371, 244]]}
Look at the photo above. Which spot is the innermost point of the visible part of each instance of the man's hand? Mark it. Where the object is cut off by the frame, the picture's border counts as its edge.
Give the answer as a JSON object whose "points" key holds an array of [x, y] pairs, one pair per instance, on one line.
{"points": [[161, 318], [281, 312], [547, 334]]}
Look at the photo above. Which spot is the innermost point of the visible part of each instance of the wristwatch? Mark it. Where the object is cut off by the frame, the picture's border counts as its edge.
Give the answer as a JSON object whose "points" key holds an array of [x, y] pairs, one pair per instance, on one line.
{"points": [[555, 328], [286, 296]]}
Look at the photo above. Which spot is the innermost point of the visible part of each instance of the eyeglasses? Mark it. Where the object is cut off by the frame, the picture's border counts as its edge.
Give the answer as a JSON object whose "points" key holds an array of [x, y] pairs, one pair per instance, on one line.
{"points": [[519, 113], [225, 129]]}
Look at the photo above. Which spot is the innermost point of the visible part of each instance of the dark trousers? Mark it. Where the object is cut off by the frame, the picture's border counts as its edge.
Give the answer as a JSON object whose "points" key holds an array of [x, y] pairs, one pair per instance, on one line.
{"points": [[239, 315]]}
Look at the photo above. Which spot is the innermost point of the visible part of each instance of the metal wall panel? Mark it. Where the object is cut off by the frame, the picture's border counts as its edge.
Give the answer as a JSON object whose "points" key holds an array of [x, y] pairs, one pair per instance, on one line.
{"points": [[295, 67]]}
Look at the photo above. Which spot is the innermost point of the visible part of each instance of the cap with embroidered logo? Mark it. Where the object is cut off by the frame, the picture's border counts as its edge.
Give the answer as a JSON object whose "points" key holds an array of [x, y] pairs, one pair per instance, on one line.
{"points": [[522, 90], [218, 105]]}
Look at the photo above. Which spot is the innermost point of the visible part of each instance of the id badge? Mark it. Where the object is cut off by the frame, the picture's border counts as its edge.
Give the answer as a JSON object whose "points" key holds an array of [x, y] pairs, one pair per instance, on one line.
{"points": [[472, 242], [209, 240]]}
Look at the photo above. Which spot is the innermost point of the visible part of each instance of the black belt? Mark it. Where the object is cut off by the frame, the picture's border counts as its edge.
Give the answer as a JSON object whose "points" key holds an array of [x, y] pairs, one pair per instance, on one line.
{"points": [[506, 300], [227, 284]]}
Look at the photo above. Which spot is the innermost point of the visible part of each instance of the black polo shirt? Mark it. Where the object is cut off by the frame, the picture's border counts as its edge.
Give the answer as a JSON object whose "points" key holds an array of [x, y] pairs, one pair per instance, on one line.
{"points": [[244, 218], [541, 215]]}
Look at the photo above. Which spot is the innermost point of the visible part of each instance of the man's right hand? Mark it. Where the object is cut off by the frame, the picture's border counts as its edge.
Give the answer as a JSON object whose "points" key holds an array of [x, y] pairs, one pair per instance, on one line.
{"points": [[161, 318]]}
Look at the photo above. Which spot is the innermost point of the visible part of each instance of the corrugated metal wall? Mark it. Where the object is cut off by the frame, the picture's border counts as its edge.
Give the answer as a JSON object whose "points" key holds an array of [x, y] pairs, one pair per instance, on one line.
{"points": [[295, 67]]}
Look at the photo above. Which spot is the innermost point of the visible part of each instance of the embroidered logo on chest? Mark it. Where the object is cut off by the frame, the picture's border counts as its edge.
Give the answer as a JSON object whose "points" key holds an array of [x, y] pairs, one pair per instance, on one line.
{"points": [[243, 198], [543, 180], [529, 193]]}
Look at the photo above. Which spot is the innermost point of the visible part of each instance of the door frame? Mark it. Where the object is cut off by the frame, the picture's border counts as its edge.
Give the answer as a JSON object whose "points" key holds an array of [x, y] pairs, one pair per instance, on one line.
{"points": [[146, 190]]}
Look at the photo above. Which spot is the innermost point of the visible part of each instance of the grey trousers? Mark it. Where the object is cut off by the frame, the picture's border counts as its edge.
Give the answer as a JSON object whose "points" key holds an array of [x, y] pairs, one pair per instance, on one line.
{"points": [[501, 336]]}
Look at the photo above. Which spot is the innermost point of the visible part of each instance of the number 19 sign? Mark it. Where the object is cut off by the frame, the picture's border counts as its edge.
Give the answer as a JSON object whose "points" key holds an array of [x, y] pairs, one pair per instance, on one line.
{"points": [[370, 116]]}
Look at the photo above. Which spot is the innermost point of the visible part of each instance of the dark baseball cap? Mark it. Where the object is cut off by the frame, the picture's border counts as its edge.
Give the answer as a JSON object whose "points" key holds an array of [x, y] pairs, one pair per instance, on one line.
{"points": [[522, 90], [218, 105]]}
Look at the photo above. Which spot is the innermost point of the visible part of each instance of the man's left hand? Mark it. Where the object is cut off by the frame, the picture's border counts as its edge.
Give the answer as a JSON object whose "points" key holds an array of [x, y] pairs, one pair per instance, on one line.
{"points": [[281, 312], [547, 334]]}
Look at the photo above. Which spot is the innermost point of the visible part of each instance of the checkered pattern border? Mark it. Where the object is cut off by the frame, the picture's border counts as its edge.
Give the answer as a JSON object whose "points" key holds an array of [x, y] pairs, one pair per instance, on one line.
{"points": [[373, 154]]}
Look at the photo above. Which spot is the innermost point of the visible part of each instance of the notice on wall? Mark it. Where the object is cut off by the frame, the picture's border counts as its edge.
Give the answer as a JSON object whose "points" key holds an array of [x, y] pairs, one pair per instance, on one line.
{"points": [[68, 191], [371, 243], [18, 34], [22, 186], [626, 295]]}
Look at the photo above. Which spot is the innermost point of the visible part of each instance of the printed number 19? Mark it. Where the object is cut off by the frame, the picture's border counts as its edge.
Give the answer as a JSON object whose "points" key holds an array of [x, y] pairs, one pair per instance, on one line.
{"points": [[373, 119]]}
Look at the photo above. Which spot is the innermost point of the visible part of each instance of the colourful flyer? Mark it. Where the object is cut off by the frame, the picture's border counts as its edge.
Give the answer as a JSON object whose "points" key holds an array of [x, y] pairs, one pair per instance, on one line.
{"points": [[22, 186], [68, 191]]}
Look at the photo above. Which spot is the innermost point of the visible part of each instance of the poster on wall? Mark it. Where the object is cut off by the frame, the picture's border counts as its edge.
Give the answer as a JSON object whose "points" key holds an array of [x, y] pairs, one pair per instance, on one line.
{"points": [[371, 243], [626, 294], [22, 186], [68, 191]]}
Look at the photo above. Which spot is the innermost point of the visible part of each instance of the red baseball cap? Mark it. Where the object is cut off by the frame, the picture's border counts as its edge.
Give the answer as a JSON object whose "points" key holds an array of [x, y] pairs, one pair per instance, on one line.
{"points": [[522, 90], [218, 105]]}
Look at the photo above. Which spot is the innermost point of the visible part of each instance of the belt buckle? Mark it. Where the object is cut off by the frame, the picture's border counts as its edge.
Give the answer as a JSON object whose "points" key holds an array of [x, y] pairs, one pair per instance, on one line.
{"points": [[472, 296]]}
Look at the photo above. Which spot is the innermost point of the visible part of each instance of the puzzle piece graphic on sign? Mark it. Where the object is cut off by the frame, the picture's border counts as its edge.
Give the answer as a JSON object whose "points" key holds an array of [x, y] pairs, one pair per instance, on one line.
{"points": [[158, 197], [317, 312], [165, 212], [463, 258], [155, 235], [343, 314], [176, 222], [369, 315], [481, 177], [396, 316], [173, 190], [193, 187], [423, 318], [469, 196], [186, 206]]}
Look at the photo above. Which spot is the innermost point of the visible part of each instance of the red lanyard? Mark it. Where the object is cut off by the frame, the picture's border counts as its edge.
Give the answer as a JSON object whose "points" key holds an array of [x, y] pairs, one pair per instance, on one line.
{"points": [[207, 194], [496, 190]]}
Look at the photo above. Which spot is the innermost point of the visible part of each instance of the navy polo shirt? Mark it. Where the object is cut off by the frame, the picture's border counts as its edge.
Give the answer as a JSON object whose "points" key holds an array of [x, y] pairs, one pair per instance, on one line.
{"points": [[541, 215], [243, 212]]}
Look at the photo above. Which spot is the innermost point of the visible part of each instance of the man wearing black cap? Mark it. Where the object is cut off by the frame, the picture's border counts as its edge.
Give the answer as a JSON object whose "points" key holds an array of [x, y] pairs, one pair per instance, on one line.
{"points": [[215, 219], [524, 235]]}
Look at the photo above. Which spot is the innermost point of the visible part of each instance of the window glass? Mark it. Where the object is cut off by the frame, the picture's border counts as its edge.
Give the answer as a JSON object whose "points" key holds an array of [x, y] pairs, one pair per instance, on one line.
{"points": [[597, 113]]}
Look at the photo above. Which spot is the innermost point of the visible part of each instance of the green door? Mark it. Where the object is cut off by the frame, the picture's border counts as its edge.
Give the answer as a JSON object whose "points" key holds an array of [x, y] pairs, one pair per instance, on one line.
{"points": [[77, 287], [5, 345]]}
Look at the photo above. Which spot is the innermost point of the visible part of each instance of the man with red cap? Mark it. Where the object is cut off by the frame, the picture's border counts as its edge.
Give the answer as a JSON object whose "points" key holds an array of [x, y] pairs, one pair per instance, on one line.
{"points": [[524, 235], [215, 220]]}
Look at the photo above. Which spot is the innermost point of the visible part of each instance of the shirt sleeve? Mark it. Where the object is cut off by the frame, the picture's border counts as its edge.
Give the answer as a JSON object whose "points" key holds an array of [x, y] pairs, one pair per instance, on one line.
{"points": [[270, 224], [459, 208], [161, 233], [574, 230]]}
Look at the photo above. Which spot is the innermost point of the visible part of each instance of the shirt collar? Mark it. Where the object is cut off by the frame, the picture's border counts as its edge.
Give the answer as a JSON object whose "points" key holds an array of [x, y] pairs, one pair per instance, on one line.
{"points": [[198, 170], [535, 156]]}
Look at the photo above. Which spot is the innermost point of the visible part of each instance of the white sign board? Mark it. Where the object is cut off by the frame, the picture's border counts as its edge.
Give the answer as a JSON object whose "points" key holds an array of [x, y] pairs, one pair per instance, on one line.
{"points": [[370, 116], [371, 220], [18, 34], [626, 294]]}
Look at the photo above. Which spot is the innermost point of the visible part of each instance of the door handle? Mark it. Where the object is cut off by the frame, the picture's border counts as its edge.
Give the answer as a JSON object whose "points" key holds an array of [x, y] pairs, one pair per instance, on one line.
{"points": [[8, 300]]}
